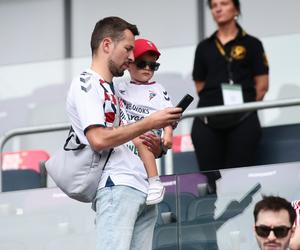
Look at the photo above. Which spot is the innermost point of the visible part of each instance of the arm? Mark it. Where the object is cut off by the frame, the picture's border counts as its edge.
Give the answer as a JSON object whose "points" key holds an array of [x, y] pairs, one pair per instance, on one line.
{"points": [[261, 86], [295, 239], [147, 157], [103, 138], [200, 70], [199, 86], [167, 139], [260, 69], [153, 142]]}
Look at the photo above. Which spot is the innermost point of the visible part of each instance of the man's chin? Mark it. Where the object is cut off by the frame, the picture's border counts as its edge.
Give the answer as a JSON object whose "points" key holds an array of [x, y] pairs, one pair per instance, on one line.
{"points": [[120, 74]]}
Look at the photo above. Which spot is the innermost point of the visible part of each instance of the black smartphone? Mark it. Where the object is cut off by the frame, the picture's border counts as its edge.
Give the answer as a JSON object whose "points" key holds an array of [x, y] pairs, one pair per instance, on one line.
{"points": [[185, 102]]}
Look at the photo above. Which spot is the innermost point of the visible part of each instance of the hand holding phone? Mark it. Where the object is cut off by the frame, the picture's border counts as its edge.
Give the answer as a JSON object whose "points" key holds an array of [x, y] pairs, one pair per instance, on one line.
{"points": [[185, 102]]}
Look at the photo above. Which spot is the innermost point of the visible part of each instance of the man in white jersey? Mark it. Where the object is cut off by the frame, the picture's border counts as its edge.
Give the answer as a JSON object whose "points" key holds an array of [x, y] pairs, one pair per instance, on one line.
{"points": [[123, 221], [142, 97]]}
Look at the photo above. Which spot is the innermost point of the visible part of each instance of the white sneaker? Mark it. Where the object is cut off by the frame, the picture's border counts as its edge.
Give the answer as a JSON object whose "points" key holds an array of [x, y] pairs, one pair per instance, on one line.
{"points": [[156, 192]]}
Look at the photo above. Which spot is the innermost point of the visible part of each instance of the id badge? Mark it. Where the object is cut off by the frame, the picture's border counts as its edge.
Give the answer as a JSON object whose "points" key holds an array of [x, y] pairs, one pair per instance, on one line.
{"points": [[232, 94]]}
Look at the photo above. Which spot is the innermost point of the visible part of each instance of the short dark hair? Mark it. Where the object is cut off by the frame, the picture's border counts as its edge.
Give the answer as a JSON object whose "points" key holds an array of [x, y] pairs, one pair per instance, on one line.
{"points": [[236, 4], [274, 203], [112, 27]]}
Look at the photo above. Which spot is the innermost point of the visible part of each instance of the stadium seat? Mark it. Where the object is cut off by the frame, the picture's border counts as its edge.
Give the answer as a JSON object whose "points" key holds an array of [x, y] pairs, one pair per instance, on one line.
{"points": [[279, 144], [13, 180], [185, 199], [202, 209], [24, 170], [27, 159], [194, 235]]}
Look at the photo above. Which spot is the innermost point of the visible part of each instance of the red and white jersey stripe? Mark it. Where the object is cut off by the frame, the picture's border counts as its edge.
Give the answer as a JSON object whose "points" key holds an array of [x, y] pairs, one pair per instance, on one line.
{"points": [[296, 205]]}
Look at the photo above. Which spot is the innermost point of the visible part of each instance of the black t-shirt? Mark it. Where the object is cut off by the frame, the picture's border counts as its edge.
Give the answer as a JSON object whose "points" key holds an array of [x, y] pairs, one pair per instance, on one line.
{"points": [[211, 66]]}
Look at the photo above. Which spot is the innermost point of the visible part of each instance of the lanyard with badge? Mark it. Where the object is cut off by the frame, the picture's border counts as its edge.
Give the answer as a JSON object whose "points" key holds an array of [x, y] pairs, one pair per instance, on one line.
{"points": [[232, 93]]}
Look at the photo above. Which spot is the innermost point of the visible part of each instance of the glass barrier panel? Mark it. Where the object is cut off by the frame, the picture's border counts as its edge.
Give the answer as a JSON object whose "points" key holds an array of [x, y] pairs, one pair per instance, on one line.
{"points": [[224, 219]]}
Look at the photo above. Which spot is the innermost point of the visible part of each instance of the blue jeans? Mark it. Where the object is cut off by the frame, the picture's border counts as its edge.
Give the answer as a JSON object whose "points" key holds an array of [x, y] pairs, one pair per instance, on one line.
{"points": [[124, 221]]}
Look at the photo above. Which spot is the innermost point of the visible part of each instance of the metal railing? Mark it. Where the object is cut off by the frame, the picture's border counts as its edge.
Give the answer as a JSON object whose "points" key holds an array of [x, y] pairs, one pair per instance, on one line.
{"points": [[251, 106]]}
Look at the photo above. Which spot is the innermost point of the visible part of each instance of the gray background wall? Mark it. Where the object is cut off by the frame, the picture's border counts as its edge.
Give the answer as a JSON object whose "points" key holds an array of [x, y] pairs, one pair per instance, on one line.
{"points": [[265, 17], [33, 30]]}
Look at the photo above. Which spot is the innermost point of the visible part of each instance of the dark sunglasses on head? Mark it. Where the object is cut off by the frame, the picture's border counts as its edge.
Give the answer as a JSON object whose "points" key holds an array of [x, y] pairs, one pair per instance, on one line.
{"points": [[141, 64], [279, 232]]}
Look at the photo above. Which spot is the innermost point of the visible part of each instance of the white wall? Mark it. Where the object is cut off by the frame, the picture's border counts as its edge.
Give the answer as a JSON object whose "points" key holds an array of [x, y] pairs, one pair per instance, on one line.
{"points": [[264, 17], [31, 30], [168, 23]]}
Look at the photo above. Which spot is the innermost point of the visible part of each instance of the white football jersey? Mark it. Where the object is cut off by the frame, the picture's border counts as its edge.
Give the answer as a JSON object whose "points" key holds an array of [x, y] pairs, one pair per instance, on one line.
{"points": [[142, 99], [92, 102]]}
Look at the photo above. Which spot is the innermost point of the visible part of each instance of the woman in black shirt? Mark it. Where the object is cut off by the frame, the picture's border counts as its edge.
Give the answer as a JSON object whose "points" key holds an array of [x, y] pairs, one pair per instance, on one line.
{"points": [[230, 67]]}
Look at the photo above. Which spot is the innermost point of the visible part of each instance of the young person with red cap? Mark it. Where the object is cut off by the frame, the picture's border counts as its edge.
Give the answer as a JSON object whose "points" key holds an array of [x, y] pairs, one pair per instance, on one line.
{"points": [[143, 97]]}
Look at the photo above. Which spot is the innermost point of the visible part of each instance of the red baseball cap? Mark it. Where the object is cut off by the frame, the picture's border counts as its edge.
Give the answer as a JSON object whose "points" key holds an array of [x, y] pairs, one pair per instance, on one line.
{"points": [[141, 46]]}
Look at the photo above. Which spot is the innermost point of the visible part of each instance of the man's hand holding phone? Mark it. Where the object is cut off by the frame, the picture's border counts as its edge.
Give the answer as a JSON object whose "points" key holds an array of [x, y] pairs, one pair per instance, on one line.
{"points": [[183, 104]]}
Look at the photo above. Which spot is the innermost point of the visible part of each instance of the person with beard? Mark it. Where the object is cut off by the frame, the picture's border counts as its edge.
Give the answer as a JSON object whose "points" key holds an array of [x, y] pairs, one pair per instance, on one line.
{"points": [[274, 218], [123, 220]]}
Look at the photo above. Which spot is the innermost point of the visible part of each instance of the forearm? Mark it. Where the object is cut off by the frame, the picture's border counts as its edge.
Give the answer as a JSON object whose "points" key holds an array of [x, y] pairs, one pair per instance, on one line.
{"points": [[168, 137], [199, 85], [101, 138], [295, 240], [260, 94], [148, 159], [261, 86]]}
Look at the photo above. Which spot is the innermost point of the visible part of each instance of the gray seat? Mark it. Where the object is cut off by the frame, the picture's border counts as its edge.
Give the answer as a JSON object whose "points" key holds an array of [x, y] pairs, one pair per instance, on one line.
{"points": [[21, 179], [185, 199], [202, 209], [279, 144], [193, 235]]}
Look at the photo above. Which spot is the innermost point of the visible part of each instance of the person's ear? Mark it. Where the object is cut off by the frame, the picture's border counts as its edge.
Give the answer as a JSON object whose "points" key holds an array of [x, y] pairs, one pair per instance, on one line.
{"points": [[292, 231], [237, 14], [107, 44]]}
